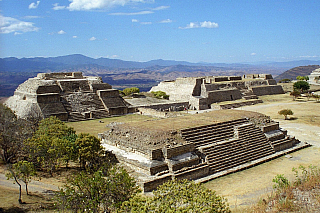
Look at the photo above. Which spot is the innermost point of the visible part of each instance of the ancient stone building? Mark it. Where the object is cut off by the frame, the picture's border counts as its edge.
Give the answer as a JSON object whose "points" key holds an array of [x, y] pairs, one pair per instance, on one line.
{"points": [[69, 96], [201, 92], [198, 147], [314, 77]]}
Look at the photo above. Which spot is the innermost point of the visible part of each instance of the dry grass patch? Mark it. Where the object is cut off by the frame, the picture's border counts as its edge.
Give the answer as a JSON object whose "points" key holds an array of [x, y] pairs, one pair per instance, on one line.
{"points": [[100, 125]]}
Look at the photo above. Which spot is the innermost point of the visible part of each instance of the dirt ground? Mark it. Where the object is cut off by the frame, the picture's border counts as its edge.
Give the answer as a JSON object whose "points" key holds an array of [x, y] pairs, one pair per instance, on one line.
{"points": [[246, 187]]}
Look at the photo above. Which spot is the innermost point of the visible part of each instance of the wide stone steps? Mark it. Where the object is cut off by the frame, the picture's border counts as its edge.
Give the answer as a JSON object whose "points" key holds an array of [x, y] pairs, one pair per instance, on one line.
{"points": [[186, 132], [249, 143], [100, 114], [73, 117], [237, 158], [281, 141]]}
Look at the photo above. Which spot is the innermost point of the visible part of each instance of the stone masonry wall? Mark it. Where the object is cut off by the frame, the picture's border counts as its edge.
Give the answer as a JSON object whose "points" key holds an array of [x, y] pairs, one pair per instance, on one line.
{"points": [[267, 90]]}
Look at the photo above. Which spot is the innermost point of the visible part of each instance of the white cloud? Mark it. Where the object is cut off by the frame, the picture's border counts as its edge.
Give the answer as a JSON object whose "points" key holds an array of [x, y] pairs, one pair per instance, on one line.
{"points": [[166, 21], [74, 36], [146, 23], [61, 32], [205, 24], [31, 17], [99, 4], [56, 6], [12, 25], [114, 56], [34, 5], [253, 54], [92, 39], [135, 20], [131, 14], [209, 24], [161, 8]]}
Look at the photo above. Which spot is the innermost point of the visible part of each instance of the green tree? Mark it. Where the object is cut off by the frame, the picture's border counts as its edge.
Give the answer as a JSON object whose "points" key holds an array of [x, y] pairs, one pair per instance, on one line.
{"points": [[285, 113], [295, 94], [50, 145], [13, 131], [93, 192], [160, 94], [131, 90], [301, 85], [21, 171], [178, 196], [89, 149]]}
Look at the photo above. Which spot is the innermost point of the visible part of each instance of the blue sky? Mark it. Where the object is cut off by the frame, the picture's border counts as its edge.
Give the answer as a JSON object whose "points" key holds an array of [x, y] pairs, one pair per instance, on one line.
{"points": [[227, 31]]}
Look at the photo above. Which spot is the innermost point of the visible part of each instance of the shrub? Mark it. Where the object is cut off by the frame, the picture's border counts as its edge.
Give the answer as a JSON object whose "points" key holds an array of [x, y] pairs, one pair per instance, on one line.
{"points": [[131, 90], [285, 113], [160, 94]]}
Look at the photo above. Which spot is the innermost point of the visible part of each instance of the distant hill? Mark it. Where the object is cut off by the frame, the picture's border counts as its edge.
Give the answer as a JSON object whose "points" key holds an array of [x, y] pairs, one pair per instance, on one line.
{"points": [[121, 74], [296, 71]]}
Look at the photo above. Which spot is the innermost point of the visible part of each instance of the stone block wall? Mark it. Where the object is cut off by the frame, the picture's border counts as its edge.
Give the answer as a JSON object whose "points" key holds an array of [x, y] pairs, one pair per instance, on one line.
{"points": [[73, 85], [151, 185], [48, 98], [60, 75], [177, 150], [223, 95], [193, 173], [270, 127], [48, 89], [267, 90], [102, 86]]}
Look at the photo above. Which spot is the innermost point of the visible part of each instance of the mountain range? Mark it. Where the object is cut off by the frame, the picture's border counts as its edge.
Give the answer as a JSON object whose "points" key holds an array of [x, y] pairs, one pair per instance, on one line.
{"points": [[53, 63], [121, 74]]}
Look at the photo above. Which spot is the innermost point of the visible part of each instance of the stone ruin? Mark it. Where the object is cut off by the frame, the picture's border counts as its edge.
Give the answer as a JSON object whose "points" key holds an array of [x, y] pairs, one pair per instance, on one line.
{"points": [[68, 96], [197, 151], [314, 77], [202, 92]]}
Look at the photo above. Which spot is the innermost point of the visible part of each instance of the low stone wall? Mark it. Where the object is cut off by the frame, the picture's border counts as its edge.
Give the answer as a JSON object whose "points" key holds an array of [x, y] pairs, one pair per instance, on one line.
{"points": [[48, 98], [153, 184], [176, 106], [48, 89], [118, 110], [178, 150], [223, 95], [152, 112], [267, 90], [101, 86], [193, 173], [270, 127], [235, 78], [60, 75], [108, 93], [236, 104], [73, 85], [180, 165]]}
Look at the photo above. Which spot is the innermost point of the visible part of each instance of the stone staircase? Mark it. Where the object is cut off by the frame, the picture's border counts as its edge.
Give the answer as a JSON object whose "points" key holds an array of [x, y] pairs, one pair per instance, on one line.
{"points": [[248, 94], [248, 144], [206, 135], [83, 106], [284, 143]]}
